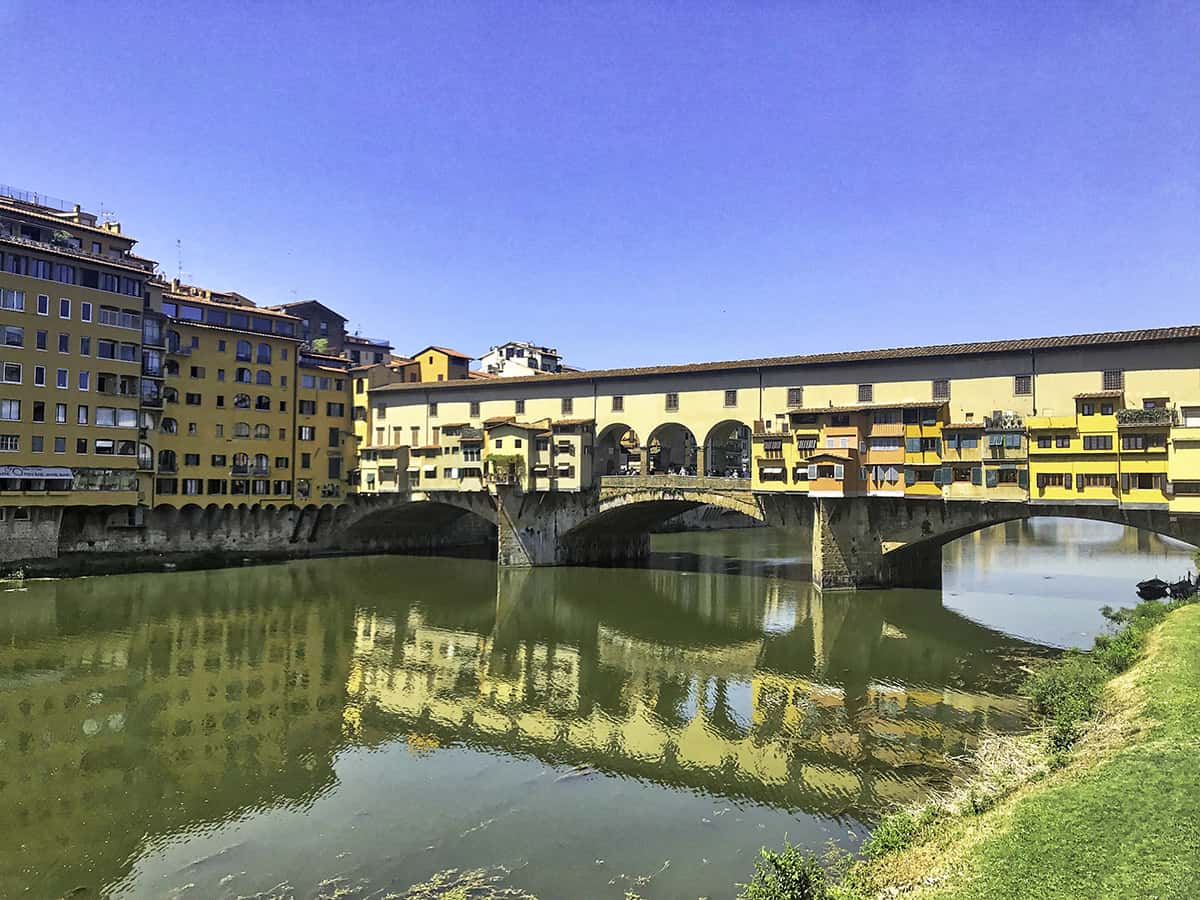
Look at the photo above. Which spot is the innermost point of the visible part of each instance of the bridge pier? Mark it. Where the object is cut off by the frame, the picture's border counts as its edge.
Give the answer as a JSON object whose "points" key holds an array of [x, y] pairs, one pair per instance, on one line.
{"points": [[540, 530], [849, 551]]}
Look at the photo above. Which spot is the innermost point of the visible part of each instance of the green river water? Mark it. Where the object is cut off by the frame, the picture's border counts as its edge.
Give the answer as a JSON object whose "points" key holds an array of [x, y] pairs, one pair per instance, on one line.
{"points": [[352, 727]]}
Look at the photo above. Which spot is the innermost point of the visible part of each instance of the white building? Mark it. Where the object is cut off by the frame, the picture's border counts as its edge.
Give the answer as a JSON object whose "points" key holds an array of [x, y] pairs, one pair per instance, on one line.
{"points": [[517, 358]]}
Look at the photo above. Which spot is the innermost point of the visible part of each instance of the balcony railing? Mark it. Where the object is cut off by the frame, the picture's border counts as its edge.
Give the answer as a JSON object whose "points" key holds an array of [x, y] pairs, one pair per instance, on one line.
{"points": [[1160, 415], [78, 252], [119, 318], [240, 470]]}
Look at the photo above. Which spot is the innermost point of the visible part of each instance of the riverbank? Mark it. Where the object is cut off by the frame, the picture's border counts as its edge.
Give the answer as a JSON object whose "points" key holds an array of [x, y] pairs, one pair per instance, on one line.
{"points": [[1120, 818]]}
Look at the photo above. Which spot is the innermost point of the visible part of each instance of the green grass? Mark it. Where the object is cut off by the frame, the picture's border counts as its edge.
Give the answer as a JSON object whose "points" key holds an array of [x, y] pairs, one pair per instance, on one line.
{"points": [[1130, 826]]}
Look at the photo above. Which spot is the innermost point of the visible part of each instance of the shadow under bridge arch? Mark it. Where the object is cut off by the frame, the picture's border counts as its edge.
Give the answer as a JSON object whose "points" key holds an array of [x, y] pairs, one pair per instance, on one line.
{"points": [[440, 522]]}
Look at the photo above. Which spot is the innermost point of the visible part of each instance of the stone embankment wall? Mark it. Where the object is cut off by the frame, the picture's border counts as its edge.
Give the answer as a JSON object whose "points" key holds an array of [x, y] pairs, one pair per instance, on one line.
{"points": [[72, 535]]}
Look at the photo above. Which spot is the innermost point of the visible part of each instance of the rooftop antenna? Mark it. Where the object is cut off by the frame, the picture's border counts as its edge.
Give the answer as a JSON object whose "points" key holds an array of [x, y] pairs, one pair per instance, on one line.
{"points": [[106, 215], [179, 257]]}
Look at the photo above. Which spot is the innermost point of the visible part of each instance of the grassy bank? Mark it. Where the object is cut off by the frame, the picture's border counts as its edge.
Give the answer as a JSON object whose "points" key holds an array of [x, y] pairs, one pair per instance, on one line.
{"points": [[1103, 802]]}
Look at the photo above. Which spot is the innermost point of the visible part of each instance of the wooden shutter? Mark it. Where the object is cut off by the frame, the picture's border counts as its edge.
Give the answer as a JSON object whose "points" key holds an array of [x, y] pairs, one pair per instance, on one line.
{"points": [[1124, 484], [1078, 482], [912, 445], [839, 471], [993, 477], [910, 477], [976, 475], [1023, 478]]}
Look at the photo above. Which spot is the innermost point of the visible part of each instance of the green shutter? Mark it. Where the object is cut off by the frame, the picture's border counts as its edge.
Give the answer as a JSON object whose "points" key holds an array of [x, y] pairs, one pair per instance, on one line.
{"points": [[912, 445], [976, 475], [1023, 478], [910, 477], [993, 477], [1078, 482]]}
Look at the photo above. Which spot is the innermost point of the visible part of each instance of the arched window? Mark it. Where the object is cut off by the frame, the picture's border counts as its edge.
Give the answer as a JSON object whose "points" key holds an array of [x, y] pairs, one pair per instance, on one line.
{"points": [[170, 426], [262, 376], [241, 463], [262, 432], [172, 341], [166, 460], [241, 401], [241, 430], [261, 464], [243, 376], [243, 351], [170, 395], [145, 455], [263, 402], [264, 353], [171, 367]]}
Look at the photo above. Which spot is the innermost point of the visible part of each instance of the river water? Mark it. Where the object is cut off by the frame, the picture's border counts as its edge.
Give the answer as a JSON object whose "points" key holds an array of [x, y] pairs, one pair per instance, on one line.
{"points": [[350, 727]]}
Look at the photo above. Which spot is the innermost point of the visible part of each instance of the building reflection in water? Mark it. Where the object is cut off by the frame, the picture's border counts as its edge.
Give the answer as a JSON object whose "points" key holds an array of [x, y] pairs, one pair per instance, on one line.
{"points": [[134, 709]]}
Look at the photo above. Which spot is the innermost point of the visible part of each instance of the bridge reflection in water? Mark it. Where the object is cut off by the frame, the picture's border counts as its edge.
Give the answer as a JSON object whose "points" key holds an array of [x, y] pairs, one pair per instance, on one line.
{"points": [[136, 711], [754, 688]]}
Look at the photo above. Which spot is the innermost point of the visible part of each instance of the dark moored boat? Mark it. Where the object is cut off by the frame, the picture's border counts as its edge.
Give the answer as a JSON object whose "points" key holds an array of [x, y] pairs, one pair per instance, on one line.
{"points": [[1153, 589], [1181, 590]]}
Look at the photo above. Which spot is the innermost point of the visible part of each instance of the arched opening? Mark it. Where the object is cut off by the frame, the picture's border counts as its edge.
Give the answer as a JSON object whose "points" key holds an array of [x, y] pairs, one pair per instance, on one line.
{"points": [[727, 450], [618, 451], [671, 450]]}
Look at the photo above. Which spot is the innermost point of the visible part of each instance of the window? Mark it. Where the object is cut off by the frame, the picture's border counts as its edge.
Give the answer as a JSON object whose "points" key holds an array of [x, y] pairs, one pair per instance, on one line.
{"points": [[10, 373], [1044, 441], [474, 413], [941, 389], [866, 393], [307, 433], [432, 409], [335, 467], [61, 378], [243, 351], [60, 445], [241, 401], [263, 356], [106, 415], [169, 426], [1114, 380], [308, 407], [672, 402], [1023, 385], [15, 300], [60, 413], [85, 346], [335, 437], [337, 410], [64, 343], [281, 462], [220, 374], [85, 379], [85, 311], [192, 399], [37, 443], [1062, 440], [1106, 409], [41, 340], [39, 411], [262, 432], [81, 417], [262, 402], [64, 308], [795, 397], [1097, 442], [618, 403], [10, 410], [12, 335], [568, 406], [10, 443], [1087, 409], [43, 303], [731, 398], [241, 429], [196, 372]]}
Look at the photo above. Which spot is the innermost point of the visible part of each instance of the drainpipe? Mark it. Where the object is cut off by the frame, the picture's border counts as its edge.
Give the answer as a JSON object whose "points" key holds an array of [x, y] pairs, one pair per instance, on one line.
{"points": [[1033, 378]]}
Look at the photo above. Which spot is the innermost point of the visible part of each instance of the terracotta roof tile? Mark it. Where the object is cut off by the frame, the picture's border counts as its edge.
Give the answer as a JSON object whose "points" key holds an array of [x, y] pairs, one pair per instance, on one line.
{"points": [[1101, 395], [1179, 332]]}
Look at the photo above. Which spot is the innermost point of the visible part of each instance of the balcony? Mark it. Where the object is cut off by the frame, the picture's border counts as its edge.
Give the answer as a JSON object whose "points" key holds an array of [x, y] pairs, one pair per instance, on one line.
{"points": [[260, 471], [119, 318], [239, 470], [1159, 416], [1003, 422], [123, 261]]}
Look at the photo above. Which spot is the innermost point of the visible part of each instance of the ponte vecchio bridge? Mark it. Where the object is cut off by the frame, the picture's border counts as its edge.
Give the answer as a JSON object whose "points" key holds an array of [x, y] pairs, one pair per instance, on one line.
{"points": [[883, 455]]}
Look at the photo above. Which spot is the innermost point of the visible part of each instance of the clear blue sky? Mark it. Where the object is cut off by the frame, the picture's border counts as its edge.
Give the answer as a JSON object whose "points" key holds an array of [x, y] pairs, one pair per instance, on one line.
{"points": [[638, 183]]}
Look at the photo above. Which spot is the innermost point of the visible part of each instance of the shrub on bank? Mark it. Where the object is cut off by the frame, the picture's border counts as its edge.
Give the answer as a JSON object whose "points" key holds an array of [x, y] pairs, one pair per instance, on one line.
{"points": [[787, 874]]}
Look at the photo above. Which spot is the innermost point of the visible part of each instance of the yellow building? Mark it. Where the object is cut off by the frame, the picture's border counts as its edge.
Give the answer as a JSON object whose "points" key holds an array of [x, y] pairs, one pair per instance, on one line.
{"points": [[225, 430], [442, 364], [958, 422], [71, 298], [325, 433]]}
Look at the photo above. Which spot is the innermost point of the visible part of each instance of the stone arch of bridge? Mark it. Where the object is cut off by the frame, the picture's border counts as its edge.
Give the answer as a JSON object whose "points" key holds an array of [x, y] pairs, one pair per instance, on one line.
{"points": [[642, 508], [867, 541], [383, 522]]}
